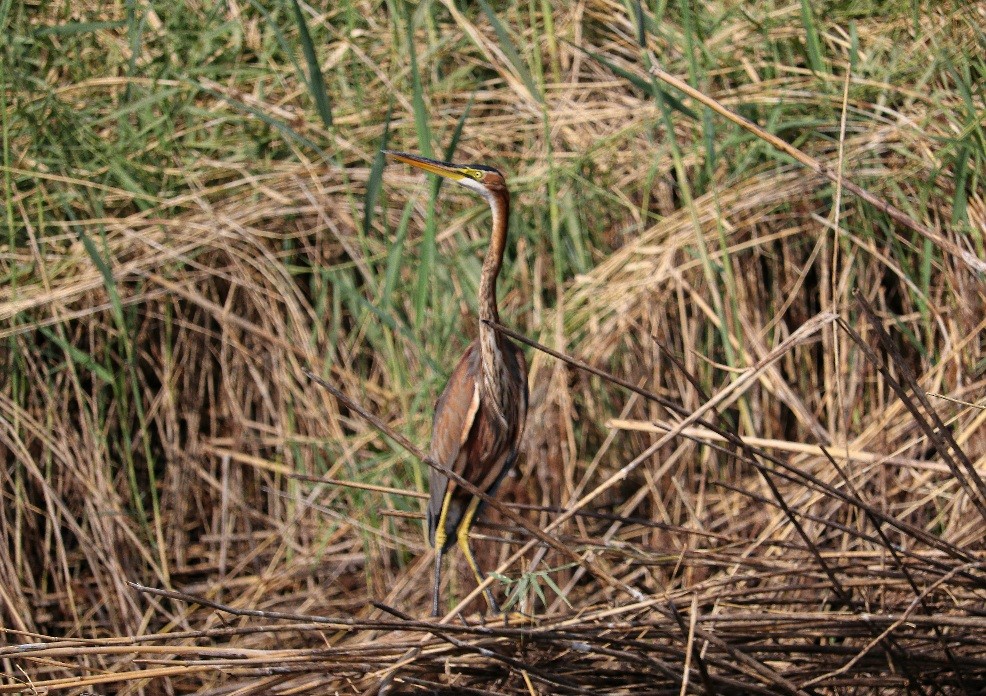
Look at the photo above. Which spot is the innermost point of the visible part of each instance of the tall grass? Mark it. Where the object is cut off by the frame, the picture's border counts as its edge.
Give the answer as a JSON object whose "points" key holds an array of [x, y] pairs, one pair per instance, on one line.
{"points": [[196, 212]]}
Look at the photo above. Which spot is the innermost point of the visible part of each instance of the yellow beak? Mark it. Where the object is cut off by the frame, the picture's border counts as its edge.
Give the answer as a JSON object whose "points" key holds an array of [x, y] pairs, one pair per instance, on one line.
{"points": [[445, 169]]}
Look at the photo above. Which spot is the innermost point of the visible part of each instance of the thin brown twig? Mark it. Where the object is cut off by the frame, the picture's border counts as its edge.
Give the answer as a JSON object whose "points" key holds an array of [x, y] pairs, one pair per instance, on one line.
{"points": [[903, 526], [482, 495]]}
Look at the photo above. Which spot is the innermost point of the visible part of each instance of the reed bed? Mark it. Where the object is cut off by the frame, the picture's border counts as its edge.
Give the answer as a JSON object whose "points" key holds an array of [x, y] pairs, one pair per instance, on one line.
{"points": [[756, 452]]}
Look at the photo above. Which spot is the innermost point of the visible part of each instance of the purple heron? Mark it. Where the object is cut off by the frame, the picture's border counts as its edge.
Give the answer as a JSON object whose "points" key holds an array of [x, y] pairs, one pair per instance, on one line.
{"points": [[479, 418]]}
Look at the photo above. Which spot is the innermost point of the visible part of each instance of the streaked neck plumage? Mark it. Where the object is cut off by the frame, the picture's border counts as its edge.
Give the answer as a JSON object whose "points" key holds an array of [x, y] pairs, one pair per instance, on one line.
{"points": [[491, 345]]}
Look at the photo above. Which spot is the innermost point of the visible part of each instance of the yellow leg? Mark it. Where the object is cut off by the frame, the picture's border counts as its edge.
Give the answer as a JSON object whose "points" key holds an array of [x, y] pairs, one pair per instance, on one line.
{"points": [[438, 581], [440, 538], [462, 536]]}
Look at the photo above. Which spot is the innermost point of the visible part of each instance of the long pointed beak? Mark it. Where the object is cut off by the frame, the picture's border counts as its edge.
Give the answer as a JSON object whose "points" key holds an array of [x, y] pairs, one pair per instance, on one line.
{"points": [[445, 169]]}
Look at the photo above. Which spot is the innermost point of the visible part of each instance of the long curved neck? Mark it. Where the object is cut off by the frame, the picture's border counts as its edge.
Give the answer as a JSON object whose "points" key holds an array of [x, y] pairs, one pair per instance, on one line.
{"points": [[500, 205], [489, 340]]}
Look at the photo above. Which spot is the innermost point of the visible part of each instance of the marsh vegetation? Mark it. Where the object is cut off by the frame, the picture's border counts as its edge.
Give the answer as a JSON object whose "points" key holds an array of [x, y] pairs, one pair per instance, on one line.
{"points": [[195, 212]]}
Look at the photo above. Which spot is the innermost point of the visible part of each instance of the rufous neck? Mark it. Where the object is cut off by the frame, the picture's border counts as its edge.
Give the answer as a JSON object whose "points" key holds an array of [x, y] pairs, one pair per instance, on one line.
{"points": [[500, 207]]}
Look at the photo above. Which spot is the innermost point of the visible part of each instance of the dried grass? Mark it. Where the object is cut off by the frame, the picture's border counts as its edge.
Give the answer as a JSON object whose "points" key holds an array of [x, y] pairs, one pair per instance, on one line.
{"points": [[775, 509]]}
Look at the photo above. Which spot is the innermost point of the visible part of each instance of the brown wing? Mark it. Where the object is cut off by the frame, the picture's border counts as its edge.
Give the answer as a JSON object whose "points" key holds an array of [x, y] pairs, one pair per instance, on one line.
{"points": [[455, 416], [470, 439], [492, 448]]}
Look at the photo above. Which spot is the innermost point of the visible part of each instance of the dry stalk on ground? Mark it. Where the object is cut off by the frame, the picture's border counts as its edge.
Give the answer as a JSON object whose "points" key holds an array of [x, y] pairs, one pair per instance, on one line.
{"points": [[789, 501]]}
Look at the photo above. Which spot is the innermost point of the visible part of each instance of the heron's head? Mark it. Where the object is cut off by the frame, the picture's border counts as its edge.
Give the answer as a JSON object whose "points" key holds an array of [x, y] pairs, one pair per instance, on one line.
{"points": [[486, 181]]}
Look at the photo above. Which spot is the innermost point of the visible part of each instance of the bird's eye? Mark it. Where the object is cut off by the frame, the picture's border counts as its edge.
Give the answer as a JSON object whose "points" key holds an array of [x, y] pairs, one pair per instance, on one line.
{"points": [[475, 174]]}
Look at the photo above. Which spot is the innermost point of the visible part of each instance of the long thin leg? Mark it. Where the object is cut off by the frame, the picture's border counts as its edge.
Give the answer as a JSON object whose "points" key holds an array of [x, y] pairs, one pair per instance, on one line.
{"points": [[480, 575], [438, 580], [439, 541], [462, 535]]}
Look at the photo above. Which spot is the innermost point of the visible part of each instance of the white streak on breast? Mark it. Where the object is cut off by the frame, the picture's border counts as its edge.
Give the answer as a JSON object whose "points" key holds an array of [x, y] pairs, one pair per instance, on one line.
{"points": [[470, 416]]}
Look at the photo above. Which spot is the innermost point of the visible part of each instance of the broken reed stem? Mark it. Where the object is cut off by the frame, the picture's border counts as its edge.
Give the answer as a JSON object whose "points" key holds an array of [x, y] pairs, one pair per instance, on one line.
{"points": [[795, 473]]}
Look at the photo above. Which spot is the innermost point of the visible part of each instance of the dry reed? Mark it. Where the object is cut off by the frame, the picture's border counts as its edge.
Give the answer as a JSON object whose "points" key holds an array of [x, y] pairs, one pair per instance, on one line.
{"points": [[780, 491]]}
